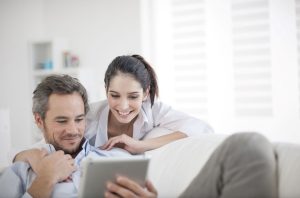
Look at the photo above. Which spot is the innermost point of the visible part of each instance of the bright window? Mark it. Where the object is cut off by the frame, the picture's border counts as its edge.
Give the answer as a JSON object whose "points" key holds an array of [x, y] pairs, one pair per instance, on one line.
{"points": [[231, 63]]}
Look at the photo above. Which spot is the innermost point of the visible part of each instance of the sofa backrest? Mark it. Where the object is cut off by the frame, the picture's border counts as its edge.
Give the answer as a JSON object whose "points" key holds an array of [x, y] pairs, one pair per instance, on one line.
{"points": [[288, 164], [173, 166]]}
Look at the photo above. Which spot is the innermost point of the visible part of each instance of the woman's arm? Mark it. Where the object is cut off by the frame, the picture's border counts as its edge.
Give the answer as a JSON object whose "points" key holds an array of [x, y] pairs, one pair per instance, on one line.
{"points": [[140, 146], [31, 156], [163, 116], [157, 142]]}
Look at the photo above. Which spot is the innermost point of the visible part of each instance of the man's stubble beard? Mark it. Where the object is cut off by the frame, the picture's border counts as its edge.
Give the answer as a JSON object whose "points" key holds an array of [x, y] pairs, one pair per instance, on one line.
{"points": [[58, 147]]}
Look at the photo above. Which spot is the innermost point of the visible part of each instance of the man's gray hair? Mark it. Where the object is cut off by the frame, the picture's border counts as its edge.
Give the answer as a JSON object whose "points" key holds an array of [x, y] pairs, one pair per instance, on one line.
{"points": [[56, 84]]}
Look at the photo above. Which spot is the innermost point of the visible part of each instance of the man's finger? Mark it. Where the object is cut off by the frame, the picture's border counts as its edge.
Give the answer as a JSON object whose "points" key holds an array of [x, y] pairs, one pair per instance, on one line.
{"points": [[120, 190], [131, 185], [150, 187]]}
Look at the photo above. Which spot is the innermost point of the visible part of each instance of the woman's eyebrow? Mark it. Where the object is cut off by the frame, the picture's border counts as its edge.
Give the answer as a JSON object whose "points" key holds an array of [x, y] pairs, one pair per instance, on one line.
{"points": [[134, 92]]}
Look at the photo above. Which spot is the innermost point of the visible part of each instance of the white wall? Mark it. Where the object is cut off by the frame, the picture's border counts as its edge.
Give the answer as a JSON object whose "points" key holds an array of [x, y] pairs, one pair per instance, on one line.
{"points": [[97, 30], [19, 20]]}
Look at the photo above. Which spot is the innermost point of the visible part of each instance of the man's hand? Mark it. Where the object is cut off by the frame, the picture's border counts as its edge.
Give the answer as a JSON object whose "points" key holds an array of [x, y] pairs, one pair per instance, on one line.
{"points": [[124, 141], [53, 168], [124, 187], [56, 166]]}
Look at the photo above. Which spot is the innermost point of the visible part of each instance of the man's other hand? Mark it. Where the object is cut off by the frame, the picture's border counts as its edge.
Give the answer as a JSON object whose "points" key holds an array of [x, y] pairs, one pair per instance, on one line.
{"points": [[125, 187]]}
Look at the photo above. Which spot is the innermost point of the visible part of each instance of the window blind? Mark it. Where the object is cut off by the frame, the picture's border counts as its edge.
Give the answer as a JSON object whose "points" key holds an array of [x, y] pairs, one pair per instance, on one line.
{"points": [[297, 6], [251, 57], [189, 56]]}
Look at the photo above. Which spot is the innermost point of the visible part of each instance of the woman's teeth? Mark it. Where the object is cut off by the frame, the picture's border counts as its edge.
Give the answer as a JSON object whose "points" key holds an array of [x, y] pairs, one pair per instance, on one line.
{"points": [[124, 113]]}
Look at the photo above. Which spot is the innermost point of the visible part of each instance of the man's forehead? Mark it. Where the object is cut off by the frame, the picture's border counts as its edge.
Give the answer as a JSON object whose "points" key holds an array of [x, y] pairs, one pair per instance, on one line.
{"points": [[65, 105]]}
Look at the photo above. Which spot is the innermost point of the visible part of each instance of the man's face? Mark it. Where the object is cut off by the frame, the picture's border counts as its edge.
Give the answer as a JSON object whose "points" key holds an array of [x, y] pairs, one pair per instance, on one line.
{"points": [[64, 122]]}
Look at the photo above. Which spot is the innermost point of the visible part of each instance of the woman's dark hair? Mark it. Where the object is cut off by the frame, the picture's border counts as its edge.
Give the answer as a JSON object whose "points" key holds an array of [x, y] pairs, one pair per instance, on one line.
{"points": [[136, 66]]}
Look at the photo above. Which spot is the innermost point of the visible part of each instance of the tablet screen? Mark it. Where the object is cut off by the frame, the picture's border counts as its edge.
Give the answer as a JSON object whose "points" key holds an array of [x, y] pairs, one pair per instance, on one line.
{"points": [[96, 172]]}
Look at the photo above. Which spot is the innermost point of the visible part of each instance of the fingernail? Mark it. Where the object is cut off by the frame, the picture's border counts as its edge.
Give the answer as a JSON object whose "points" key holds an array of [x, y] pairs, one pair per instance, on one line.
{"points": [[119, 178]]}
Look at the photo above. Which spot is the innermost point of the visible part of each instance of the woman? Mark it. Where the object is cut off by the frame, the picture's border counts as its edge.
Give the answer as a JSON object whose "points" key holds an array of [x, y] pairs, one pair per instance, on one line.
{"points": [[132, 114]]}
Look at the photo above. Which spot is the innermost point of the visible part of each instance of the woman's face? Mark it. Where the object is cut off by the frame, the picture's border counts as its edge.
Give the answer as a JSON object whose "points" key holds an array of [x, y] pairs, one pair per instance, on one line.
{"points": [[125, 96]]}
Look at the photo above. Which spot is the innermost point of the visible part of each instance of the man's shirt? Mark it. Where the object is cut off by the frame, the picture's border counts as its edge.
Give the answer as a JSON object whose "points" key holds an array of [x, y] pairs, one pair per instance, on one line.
{"points": [[17, 178]]}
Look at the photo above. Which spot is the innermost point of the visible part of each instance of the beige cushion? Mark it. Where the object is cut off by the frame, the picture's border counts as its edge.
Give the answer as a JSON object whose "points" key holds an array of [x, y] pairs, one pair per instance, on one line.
{"points": [[173, 166], [288, 169]]}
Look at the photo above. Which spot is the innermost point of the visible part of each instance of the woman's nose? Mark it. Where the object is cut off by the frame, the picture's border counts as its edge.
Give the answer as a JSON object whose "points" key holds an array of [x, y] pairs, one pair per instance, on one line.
{"points": [[123, 104]]}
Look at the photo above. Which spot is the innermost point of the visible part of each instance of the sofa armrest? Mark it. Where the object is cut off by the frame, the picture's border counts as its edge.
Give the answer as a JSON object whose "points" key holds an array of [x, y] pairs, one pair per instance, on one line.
{"points": [[288, 164]]}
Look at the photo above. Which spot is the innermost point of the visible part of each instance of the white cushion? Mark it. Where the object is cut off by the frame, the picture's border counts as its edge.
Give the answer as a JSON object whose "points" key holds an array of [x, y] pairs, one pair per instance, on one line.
{"points": [[173, 166], [288, 169]]}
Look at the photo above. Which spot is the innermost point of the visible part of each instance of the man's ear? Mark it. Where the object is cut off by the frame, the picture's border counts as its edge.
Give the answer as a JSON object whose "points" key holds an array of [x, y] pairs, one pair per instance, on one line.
{"points": [[39, 120]]}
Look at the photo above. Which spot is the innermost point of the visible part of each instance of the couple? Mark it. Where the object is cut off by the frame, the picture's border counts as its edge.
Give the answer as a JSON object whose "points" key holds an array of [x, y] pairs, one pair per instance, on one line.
{"points": [[60, 106]]}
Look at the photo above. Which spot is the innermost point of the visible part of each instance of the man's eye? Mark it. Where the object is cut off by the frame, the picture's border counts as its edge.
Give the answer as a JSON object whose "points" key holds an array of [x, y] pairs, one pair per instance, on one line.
{"points": [[114, 96], [61, 121]]}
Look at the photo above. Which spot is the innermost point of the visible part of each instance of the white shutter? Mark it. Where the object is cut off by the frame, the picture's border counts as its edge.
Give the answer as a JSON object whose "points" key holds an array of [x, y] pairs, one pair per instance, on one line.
{"points": [[189, 57], [234, 63], [251, 57], [297, 5]]}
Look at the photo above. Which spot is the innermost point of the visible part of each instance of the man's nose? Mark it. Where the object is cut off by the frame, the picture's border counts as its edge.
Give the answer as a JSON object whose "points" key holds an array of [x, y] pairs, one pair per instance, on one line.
{"points": [[72, 127]]}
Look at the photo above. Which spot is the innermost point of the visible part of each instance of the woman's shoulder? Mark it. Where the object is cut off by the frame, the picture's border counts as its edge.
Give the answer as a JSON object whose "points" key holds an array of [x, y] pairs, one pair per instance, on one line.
{"points": [[96, 108], [157, 105]]}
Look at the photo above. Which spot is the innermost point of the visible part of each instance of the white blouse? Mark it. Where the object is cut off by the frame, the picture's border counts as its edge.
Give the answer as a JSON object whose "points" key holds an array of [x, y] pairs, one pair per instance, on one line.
{"points": [[159, 120]]}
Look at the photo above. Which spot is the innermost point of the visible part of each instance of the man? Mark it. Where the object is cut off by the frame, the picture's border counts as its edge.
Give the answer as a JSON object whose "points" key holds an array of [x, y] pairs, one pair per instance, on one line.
{"points": [[60, 104]]}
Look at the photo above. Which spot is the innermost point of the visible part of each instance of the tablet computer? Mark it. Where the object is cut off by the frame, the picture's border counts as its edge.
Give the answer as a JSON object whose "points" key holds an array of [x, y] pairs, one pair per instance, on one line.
{"points": [[95, 172]]}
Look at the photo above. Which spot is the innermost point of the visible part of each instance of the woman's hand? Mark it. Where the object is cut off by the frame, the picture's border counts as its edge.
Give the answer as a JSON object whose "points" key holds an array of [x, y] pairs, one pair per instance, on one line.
{"points": [[128, 143], [31, 156], [124, 187], [140, 146]]}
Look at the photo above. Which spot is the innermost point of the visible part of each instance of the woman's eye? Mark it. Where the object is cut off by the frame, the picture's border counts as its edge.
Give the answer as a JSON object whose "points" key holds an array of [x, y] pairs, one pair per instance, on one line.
{"points": [[133, 97]]}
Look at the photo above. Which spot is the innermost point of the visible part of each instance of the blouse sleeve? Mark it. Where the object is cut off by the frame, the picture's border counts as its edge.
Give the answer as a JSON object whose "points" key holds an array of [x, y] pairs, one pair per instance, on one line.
{"points": [[12, 181], [170, 120]]}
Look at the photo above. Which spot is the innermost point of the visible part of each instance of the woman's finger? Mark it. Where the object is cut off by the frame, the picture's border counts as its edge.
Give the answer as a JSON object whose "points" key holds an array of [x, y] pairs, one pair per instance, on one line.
{"points": [[113, 142], [105, 146]]}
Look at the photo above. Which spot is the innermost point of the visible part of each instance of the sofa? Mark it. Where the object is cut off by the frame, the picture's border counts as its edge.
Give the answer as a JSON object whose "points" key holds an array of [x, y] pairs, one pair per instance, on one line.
{"points": [[173, 166]]}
